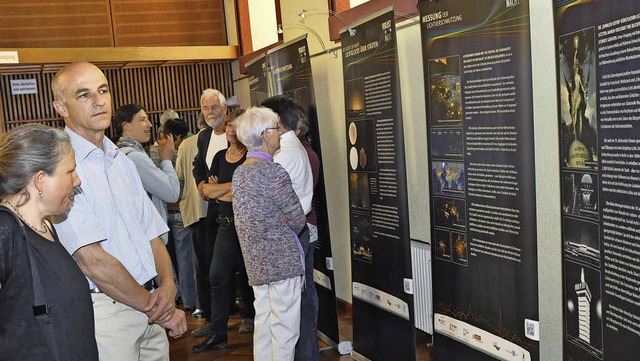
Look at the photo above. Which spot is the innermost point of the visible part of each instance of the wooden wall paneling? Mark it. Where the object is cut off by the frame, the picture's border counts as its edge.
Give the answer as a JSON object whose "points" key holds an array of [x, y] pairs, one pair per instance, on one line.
{"points": [[171, 80], [181, 87], [39, 110], [199, 84], [177, 90], [8, 104], [128, 86], [158, 91], [143, 83], [194, 90], [163, 79], [136, 89], [149, 91], [98, 55], [168, 22], [23, 109], [168, 80], [228, 77], [155, 87], [47, 96], [3, 92], [54, 23]]}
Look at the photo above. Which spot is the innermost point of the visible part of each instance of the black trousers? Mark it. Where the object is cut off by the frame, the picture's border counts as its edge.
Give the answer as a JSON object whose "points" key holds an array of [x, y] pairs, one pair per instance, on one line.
{"points": [[203, 244], [227, 256]]}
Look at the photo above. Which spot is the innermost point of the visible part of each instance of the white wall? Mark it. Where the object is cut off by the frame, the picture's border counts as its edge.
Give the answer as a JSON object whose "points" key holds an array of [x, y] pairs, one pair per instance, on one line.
{"points": [[262, 15]]}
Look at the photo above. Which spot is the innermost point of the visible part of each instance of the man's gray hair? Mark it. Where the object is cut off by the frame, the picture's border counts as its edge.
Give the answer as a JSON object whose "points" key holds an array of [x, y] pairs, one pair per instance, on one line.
{"points": [[207, 93], [251, 124], [168, 114]]}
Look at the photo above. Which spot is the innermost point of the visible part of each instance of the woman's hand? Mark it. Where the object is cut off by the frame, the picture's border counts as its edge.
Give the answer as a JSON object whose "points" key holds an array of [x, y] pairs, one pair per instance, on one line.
{"points": [[168, 149]]}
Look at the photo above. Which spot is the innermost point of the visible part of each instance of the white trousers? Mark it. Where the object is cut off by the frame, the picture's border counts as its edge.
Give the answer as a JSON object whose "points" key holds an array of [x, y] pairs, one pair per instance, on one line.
{"points": [[277, 320], [122, 332]]}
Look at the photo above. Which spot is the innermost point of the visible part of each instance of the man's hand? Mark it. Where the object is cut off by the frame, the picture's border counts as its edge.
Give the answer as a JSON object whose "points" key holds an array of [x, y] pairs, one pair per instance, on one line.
{"points": [[161, 305], [177, 324]]}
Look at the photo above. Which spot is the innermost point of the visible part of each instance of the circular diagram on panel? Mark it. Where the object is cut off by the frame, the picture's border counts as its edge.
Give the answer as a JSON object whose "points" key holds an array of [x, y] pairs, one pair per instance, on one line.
{"points": [[363, 158], [353, 133], [353, 158]]}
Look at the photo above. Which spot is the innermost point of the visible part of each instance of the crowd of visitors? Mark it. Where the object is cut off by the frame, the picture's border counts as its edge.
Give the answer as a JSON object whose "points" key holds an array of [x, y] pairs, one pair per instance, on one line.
{"points": [[101, 238]]}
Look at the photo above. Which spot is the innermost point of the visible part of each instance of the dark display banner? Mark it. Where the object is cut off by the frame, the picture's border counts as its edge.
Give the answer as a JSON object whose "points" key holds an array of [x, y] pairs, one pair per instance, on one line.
{"points": [[383, 326], [258, 80], [291, 75], [599, 108], [477, 69]]}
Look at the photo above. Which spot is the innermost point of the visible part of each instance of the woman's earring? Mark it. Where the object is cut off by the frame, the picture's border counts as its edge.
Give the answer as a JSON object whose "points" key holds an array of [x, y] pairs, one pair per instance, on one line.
{"points": [[41, 194]]}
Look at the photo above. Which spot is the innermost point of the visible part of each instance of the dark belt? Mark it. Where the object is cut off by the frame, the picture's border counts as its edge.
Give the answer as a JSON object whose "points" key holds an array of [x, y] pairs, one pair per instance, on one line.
{"points": [[226, 221], [149, 286]]}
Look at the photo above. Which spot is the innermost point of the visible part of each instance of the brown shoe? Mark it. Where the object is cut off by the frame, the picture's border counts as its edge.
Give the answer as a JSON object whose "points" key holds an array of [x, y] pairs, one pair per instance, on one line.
{"points": [[246, 326], [203, 331]]}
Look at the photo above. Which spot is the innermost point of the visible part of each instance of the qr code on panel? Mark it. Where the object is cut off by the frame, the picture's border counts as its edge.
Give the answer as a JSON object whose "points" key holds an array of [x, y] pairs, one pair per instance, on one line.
{"points": [[530, 329]]}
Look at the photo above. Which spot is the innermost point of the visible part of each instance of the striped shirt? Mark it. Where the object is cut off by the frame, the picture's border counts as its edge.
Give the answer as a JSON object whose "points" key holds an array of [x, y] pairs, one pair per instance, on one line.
{"points": [[112, 209]]}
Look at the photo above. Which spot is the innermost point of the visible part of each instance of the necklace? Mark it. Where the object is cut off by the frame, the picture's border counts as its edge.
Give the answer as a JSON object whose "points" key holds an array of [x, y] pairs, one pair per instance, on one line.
{"points": [[238, 153], [15, 209]]}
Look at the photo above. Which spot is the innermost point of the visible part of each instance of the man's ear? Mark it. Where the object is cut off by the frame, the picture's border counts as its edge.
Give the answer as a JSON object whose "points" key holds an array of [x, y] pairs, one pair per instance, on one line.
{"points": [[60, 108]]}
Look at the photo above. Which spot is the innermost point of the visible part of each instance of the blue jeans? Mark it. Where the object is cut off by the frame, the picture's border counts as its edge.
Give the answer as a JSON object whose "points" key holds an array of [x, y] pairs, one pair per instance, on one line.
{"points": [[226, 257], [307, 346], [183, 245]]}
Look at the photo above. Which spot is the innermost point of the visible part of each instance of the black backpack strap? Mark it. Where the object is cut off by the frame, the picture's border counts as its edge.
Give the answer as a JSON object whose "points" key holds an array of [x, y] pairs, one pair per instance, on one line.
{"points": [[41, 309]]}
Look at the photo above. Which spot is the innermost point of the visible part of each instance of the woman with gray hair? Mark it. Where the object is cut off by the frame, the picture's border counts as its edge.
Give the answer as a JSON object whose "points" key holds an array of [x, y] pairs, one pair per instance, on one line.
{"points": [[44, 297], [268, 218]]}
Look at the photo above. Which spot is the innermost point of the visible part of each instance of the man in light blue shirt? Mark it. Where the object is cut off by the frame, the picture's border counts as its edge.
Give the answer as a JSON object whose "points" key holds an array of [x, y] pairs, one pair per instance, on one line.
{"points": [[112, 229]]}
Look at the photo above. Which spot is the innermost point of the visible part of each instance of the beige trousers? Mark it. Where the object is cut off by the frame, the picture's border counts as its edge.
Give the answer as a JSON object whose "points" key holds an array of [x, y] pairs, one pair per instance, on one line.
{"points": [[122, 332], [277, 320]]}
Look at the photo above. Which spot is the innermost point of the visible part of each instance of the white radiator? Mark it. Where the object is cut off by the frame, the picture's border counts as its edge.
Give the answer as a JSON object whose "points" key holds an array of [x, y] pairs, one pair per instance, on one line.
{"points": [[422, 286]]}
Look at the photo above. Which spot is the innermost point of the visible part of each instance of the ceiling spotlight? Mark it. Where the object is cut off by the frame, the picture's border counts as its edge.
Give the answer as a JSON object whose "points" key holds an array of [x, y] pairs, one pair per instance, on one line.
{"points": [[280, 31], [303, 14], [352, 31]]}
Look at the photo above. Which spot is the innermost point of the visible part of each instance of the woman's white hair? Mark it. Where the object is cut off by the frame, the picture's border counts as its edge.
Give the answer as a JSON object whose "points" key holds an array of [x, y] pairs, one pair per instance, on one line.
{"points": [[251, 124]]}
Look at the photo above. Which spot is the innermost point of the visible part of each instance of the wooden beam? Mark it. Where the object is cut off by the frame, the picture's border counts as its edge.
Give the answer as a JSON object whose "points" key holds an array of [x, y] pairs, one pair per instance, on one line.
{"points": [[125, 54], [3, 125]]}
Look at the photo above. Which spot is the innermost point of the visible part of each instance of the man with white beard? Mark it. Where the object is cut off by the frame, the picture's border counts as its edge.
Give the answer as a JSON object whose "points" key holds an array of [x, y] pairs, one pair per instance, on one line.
{"points": [[210, 140]]}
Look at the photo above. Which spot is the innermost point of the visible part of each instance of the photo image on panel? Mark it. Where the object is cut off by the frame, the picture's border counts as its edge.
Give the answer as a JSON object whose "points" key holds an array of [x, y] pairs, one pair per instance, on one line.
{"points": [[446, 143], [448, 178], [579, 122], [362, 145], [355, 98], [361, 246], [449, 213], [359, 191], [443, 244], [580, 194], [583, 309], [445, 95], [460, 248], [581, 241]]}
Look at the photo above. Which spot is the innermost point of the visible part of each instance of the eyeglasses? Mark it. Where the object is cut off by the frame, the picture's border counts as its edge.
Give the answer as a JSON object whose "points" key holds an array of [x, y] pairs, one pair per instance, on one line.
{"points": [[272, 128]]}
